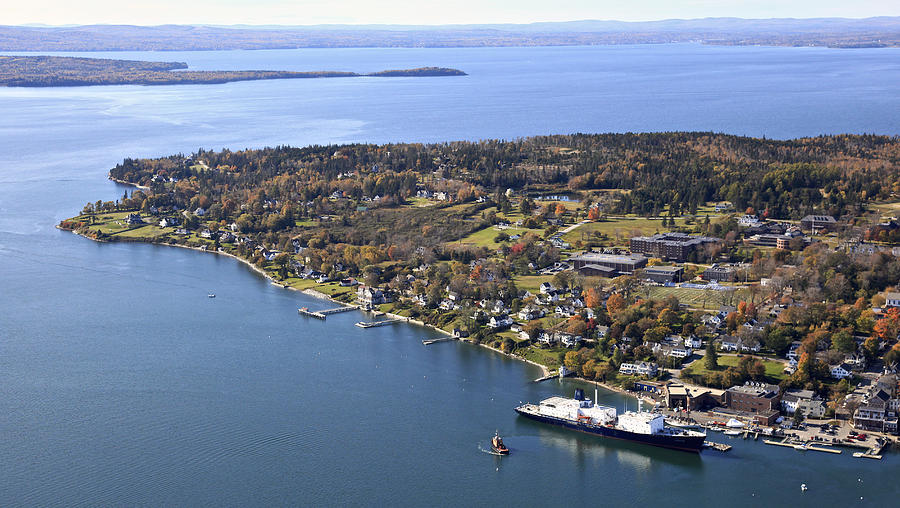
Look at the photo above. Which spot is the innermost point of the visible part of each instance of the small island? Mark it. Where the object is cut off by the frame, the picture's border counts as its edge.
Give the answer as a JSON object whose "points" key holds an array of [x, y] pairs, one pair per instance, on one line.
{"points": [[53, 71]]}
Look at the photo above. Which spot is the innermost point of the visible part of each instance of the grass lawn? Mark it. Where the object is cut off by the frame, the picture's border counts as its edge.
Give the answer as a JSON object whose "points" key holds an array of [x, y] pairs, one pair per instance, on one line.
{"points": [[546, 357], [485, 237], [774, 370], [697, 298], [618, 230], [531, 283]]}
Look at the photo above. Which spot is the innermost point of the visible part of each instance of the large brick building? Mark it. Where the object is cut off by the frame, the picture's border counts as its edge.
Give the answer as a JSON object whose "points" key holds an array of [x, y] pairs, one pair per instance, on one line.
{"points": [[671, 246], [754, 397]]}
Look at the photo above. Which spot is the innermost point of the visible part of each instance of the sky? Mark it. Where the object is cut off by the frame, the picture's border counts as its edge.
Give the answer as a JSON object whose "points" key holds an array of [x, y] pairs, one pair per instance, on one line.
{"points": [[419, 12]]}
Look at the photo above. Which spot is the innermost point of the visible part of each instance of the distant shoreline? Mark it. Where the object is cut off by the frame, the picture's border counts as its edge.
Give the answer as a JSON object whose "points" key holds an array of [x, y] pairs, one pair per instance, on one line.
{"points": [[43, 71]]}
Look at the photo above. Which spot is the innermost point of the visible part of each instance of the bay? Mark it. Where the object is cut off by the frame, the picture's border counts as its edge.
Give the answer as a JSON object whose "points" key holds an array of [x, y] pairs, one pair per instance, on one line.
{"points": [[122, 384]]}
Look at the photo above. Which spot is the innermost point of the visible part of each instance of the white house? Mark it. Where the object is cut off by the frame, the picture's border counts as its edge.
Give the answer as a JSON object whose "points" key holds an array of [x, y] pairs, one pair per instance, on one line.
{"points": [[641, 369], [892, 300], [546, 287], [841, 371], [693, 342], [498, 322]]}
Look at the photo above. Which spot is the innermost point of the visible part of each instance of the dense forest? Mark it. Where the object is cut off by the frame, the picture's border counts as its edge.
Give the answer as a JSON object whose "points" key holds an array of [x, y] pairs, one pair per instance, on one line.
{"points": [[44, 71], [834, 175]]}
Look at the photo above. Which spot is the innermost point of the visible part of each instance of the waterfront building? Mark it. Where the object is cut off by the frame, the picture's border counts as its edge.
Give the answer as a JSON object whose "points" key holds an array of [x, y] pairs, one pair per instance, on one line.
{"points": [[753, 397]]}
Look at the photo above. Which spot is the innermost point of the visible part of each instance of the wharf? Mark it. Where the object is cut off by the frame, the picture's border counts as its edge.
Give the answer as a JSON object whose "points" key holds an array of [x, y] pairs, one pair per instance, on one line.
{"points": [[545, 378], [802, 446], [429, 342], [372, 324]]}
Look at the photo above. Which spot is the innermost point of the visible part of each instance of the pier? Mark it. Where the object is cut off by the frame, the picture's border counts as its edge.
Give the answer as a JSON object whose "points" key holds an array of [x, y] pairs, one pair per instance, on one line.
{"points": [[545, 378], [322, 314], [373, 324], [428, 342], [802, 446]]}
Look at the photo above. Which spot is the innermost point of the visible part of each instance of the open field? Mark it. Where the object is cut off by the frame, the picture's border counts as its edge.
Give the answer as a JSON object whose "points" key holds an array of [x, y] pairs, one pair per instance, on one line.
{"points": [[698, 298], [485, 237], [774, 370]]}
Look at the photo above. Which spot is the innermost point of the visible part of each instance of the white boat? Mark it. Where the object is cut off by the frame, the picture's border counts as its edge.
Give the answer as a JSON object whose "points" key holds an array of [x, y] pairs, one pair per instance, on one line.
{"points": [[211, 295], [732, 433]]}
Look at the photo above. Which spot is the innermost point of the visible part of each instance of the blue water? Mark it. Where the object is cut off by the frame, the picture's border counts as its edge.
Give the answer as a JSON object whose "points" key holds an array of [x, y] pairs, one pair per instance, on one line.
{"points": [[122, 384]]}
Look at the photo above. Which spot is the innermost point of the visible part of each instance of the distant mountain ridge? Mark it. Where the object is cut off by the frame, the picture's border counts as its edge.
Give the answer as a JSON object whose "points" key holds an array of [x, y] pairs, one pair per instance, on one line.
{"points": [[829, 32]]}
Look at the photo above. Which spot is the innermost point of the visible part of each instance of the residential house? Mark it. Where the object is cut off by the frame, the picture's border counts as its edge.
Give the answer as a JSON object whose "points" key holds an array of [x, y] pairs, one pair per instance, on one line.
{"points": [[133, 219], [841, 371], [805, 401], [500, 322], [648, 369]]}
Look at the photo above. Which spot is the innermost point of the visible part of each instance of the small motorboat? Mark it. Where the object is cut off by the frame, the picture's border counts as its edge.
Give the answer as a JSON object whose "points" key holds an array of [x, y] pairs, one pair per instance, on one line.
{"points": [[732, 433], [211, 295], [497, 444]]}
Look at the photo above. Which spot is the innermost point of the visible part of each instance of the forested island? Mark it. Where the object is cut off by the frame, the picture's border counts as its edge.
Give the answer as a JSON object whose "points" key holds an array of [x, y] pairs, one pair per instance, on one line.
{"points": [[49, 71]]}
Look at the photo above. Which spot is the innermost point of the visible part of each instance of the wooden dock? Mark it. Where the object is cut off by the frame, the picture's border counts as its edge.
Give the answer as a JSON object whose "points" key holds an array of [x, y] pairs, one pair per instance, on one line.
{"points": [[722, 447], [373, 324], [428, 342], [546, 378], [322, 314], [303, 311], [338, 310]]}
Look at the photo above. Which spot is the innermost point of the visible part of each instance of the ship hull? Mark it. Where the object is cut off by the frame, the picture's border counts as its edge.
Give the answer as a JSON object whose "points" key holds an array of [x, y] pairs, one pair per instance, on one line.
{"points": [[692, 444]]}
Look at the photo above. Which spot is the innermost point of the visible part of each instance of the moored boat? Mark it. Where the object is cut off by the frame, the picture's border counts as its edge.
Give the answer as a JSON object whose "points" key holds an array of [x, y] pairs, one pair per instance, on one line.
{"points": [[583, 415]]}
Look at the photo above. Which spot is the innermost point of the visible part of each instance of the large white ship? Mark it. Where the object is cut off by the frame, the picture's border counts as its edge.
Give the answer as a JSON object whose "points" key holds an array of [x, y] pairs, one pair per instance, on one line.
{"points": [[585, 416]]}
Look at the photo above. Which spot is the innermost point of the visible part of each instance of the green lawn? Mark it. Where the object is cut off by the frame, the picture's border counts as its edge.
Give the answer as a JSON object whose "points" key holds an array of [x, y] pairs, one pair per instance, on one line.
{"points": [[546, 357], [774, 370], [531, 283]]}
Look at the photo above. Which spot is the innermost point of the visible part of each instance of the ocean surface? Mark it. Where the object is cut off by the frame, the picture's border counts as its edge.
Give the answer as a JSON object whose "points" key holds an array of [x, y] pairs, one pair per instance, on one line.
{"points": [[121, 383]]}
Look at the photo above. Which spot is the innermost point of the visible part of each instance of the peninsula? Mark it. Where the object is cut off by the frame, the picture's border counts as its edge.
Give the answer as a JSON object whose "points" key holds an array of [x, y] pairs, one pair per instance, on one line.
{"points": [[50, 71]]}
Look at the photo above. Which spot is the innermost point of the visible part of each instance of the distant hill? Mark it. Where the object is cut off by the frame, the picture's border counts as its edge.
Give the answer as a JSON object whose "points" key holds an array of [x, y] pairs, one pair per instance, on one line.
{"points": [[830, 32]]}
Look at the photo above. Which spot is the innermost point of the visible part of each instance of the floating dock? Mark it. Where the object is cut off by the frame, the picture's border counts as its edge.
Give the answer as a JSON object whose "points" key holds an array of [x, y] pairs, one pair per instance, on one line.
{"points": [[373, 324], [546, 378], [722, 447], [429, 342]]}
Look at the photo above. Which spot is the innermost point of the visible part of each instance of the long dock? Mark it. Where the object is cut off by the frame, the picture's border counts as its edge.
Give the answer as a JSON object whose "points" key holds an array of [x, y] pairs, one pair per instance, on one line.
{"points": [[372, 324], [803, 446], [546, 378], [429, 342], [322, 314], [338, 310], [303, 311]]}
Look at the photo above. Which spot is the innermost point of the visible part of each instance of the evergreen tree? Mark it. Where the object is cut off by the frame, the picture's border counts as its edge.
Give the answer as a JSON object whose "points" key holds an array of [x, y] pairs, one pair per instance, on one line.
{"points": [[711, 359]]}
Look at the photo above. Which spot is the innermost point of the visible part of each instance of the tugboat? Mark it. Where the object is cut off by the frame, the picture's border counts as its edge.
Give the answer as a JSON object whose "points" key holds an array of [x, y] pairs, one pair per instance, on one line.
{"points": [[497, 445]]}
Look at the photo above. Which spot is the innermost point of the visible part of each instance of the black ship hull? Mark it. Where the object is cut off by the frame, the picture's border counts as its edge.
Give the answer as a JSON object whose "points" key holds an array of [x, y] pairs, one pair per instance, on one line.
{"points": [[692, 444]]}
